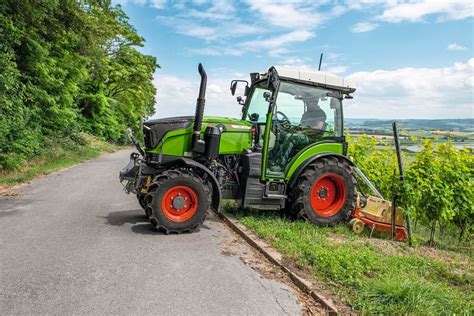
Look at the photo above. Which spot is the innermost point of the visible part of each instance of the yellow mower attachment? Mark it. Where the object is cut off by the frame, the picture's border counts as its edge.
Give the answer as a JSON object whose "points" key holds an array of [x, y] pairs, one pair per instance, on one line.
{"points": [[376, 214]]}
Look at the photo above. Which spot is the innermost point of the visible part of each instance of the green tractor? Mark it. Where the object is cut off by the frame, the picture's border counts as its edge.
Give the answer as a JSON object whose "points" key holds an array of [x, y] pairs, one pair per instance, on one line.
{"points": [[287, 153]]}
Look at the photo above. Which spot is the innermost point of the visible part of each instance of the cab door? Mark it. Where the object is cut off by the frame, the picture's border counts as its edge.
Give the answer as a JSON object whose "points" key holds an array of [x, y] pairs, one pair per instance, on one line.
{"points": [[303, 115]]}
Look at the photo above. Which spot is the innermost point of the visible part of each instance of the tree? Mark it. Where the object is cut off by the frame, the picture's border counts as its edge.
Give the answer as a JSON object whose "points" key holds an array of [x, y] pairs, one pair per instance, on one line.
{"points": [[68, 66]]}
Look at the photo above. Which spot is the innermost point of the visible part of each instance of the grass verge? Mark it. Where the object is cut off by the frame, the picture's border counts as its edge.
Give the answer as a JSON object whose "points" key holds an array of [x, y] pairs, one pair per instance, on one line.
{"points": [[59, 154], [373, 276]]}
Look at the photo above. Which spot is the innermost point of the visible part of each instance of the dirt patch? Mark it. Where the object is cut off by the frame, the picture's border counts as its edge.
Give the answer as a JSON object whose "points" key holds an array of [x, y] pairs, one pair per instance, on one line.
{"points": [[12, 191], [233, 245]]}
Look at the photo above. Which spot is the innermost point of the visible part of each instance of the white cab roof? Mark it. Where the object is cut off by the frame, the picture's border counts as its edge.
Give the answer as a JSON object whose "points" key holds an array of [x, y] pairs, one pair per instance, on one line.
{"points": [[322, 77]]}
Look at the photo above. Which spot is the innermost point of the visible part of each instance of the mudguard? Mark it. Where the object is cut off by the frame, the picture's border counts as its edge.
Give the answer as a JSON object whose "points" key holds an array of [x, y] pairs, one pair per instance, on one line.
{"points": [[216, 189], [308, 161]]}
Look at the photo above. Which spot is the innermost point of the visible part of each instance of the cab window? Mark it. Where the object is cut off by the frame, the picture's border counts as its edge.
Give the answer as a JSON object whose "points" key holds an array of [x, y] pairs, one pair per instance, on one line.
{"points": [[258, 106], [303, 115]]}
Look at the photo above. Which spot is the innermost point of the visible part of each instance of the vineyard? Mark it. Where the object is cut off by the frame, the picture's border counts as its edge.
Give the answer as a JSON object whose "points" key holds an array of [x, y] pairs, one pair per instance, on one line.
{"points": [[438, 189]]}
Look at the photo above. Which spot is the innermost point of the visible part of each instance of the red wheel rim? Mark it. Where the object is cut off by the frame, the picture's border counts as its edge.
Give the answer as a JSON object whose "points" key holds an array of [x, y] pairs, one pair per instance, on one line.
{"points": [[328, 195], [179, 203]]}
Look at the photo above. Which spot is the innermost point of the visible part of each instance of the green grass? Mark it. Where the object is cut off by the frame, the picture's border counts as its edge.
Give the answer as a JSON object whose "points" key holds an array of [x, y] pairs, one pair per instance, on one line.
{"points": [[59, 154], [372, 276]]}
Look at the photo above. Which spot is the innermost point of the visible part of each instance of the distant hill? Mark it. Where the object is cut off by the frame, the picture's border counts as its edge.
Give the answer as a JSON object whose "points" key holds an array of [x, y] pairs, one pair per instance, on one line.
{"points": [[465, 125]]}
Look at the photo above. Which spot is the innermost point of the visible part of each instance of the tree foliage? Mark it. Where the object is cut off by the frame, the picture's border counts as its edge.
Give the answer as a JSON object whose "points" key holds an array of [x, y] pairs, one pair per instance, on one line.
{"points": [[68, 66]]}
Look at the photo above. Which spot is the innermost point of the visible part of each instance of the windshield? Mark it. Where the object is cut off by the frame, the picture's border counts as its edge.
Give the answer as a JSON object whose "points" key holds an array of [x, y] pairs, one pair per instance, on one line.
{"points": [[306, 106], [258, 106]]}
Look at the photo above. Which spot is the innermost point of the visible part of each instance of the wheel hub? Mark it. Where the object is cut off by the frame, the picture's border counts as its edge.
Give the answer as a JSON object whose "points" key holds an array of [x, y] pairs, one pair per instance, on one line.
{"points": [[323, 192], [178, 202]]}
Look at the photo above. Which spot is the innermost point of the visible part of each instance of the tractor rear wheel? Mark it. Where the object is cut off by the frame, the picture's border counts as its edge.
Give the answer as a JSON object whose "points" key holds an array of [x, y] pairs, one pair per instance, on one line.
{"points": [[177, 201], [325, 192]]}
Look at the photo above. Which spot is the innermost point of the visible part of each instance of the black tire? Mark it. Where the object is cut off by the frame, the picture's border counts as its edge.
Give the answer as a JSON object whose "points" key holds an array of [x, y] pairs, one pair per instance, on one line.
{"points": [[169, 181], [141, 200], [341, 195]]}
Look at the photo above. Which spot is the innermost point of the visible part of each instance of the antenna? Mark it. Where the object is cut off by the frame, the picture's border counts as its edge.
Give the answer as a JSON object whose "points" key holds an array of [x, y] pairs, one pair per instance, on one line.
{"points": [[320, 62]]}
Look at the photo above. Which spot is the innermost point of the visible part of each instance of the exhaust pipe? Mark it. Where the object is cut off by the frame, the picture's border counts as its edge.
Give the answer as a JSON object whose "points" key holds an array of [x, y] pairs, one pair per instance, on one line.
{"points": [[197, 143]]}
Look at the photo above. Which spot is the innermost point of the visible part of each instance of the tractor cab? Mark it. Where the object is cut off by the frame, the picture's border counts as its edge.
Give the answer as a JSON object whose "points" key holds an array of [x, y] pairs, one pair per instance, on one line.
{"points": [[292, 110]]}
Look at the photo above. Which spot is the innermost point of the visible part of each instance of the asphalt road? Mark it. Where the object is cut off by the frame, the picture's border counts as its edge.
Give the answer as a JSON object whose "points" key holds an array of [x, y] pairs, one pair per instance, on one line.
{"points": [[74, 243]]}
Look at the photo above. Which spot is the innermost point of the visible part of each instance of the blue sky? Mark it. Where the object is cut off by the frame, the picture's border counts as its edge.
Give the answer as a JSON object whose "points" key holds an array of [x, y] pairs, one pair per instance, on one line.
{"points": [[410, 59]]}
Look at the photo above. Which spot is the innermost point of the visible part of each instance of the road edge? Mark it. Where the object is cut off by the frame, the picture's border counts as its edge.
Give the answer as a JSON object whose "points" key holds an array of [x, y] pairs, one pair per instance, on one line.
{"points": [[10, 190], [276, 258]]}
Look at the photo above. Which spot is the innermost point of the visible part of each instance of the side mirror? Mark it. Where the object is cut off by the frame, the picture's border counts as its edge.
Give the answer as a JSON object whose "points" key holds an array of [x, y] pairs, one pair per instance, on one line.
{"points": [[273, 81], [267, 95], [233, 86], [254, 117]]}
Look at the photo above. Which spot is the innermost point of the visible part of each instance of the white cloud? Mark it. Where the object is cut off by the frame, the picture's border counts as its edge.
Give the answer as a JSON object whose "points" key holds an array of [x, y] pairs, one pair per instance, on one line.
{"points": [[218, 10], [338, 70], [123, 2], [158, 4], [273, 24], [414, 11], [455, 46], [295, 62], [277, 41], [363, 27], [177, 96], [216, 51], [414, 93], [286, 14], [275, 46]]}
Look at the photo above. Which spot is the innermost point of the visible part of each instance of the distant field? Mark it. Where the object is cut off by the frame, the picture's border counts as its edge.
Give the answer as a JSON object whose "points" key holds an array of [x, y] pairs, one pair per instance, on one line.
{"points": [[462, 125], [411, 139]]}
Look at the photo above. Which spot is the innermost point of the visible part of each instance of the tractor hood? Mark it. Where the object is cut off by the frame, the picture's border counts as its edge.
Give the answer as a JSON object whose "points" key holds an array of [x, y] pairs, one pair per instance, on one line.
{"points": [[155, 130], [171, 123]]}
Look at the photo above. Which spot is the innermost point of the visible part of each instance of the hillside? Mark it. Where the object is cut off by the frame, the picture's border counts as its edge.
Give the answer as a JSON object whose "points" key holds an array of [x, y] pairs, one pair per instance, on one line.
{"points": [[466, 125]]}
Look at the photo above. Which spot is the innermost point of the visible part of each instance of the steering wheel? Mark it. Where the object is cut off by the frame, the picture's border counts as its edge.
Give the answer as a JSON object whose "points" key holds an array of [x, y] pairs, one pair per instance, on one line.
{"points": [[284, 120]]}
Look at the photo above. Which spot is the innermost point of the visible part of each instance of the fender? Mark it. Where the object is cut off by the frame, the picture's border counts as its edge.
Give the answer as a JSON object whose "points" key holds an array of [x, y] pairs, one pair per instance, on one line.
{"points": [[216, 189], [301, 167]]}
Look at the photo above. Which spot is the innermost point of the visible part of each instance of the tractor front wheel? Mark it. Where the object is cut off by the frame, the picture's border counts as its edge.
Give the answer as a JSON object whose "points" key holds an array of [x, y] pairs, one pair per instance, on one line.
{"points": [[325, 192], [177, 201], [141, 201]]}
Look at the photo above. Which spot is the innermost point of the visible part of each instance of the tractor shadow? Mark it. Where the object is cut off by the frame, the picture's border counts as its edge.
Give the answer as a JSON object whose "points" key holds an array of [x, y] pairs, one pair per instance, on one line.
{"points": [[139, 221], [136, 218]]}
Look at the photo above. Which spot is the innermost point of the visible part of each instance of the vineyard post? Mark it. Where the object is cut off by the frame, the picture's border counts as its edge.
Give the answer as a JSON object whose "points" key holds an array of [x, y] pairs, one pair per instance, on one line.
{"points": [[402, 175], [394, 201]]}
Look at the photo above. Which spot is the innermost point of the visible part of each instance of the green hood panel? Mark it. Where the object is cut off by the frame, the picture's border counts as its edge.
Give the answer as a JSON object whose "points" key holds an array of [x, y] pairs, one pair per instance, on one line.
{"points": [[230, 124], [236, 136]]}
